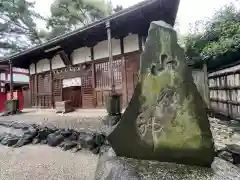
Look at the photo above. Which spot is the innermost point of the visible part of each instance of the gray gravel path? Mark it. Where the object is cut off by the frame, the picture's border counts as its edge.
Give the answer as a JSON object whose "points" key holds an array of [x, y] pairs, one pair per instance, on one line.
{"points": [[40, 162], [74, 120]]}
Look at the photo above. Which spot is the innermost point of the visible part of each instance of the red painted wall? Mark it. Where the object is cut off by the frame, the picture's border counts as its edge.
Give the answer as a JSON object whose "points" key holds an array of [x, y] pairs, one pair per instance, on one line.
{"points": [[2, 100]]}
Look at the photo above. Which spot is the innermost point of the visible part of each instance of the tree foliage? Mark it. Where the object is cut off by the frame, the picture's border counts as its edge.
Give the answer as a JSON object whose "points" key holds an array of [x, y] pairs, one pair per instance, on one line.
{"points": [[18, 21], [68, 15], [18, 29], [220, 41]]}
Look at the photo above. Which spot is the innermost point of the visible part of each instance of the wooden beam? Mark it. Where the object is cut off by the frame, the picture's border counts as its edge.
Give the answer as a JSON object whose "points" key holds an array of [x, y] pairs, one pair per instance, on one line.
{"points": [[65, 57]]}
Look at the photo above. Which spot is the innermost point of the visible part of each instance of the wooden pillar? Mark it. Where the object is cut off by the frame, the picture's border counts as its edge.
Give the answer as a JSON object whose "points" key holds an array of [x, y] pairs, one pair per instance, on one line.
{"points": [[93, 79], [111, 74], [11, 80], [36, 75], [30, 86], [51, 73], [93, 70], [124, 74]]}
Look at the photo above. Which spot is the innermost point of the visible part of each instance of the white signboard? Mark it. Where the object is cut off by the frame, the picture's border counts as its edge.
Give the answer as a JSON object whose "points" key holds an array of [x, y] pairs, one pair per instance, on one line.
{"points": [[72, 82]]}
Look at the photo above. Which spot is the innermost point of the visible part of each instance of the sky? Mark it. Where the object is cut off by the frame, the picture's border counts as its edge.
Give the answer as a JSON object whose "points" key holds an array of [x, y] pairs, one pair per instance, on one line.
{"points": [[189, 11]]}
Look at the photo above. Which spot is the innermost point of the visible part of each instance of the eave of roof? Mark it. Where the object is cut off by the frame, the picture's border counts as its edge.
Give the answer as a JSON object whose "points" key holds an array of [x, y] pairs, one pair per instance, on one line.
{"points": [[101, 23]]}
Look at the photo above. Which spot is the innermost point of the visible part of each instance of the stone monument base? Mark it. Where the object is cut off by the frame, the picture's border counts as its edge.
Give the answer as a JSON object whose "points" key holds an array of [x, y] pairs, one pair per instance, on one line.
{"points": [[112, 167]]}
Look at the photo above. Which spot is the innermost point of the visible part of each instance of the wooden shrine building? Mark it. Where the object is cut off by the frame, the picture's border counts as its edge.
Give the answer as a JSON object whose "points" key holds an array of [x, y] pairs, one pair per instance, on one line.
{"points": [[75, 66]]}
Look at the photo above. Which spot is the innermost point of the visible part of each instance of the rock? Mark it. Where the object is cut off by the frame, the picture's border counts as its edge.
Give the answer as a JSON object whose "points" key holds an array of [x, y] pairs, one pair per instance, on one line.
{"points": [[54, 140], [88, 142], [104, 149], [4, 141], [32, 132], [44, 132], [2, 136], [36, 141], [9, 140], [62, 144], [99, 139], [166, 119], [74, 136], [12, 141], [24, 140], [17, 125], [111, 167], [76, 149], [43, 141], [68, 145], [96, 150], [111, 120], [66, 133]]}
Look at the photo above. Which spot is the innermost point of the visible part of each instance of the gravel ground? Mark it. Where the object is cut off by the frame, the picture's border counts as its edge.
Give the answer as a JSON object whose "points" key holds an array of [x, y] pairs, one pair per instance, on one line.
{"points": [[33, 163], [86, 120]]}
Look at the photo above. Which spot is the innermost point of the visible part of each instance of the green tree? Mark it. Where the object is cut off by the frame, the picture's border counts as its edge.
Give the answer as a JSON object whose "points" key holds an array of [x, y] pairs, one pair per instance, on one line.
{"points": [[219, 43], [68, 15], [18, 29]]}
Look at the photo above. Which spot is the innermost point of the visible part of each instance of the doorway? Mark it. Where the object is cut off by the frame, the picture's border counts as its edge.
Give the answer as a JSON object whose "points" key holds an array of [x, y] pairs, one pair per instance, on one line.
{"points": [[74, 94]]}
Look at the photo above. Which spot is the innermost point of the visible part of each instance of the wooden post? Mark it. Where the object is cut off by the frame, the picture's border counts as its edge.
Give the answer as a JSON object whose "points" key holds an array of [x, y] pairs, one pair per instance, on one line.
{"points": [[11, 80], [51, 73], [124, 75], [36, 75], [93, 78], [111, 74]]}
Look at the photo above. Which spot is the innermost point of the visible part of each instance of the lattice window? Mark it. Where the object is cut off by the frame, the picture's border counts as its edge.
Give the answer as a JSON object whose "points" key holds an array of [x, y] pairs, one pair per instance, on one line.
{"points": [[102, 73]]}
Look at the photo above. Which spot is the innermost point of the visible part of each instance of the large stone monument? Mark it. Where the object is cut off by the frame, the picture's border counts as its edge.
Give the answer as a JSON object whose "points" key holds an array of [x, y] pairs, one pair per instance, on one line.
{"points": [[164, 132], [166, 119]]}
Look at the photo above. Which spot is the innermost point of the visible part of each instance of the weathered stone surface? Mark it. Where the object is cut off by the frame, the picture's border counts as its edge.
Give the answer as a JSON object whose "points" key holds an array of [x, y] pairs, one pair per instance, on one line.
{"points": [[76, 149], [111, 120], [44, 132], [24, 140], [96, 150], [68, 145], [111, 167], [54, 139], [36, 141], [166, 119], [9, 140]]}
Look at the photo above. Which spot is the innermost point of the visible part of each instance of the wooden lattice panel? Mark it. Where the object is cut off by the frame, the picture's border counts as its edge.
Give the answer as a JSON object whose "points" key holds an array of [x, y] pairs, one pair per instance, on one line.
{"points": [[103, 74]]}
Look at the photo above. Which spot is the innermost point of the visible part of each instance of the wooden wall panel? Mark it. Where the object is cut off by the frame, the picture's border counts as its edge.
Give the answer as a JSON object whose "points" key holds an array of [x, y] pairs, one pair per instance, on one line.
{"points": [[87, 89], [44, 90], [33, 90], [57, 90], [225, 91], [132, 70]]}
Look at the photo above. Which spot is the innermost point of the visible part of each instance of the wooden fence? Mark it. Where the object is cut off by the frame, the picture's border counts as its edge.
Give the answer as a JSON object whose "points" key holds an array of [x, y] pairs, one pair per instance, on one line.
{"points": [[224, 86]]}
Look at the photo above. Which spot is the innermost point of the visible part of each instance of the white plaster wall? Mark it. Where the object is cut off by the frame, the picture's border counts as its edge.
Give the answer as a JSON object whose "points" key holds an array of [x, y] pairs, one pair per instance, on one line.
{"points": [[2, 76], [20, 70], [57, 62], [32, 69], [130, 43], [19, 78], [101, 49], [43, 65], [81, 55]]}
